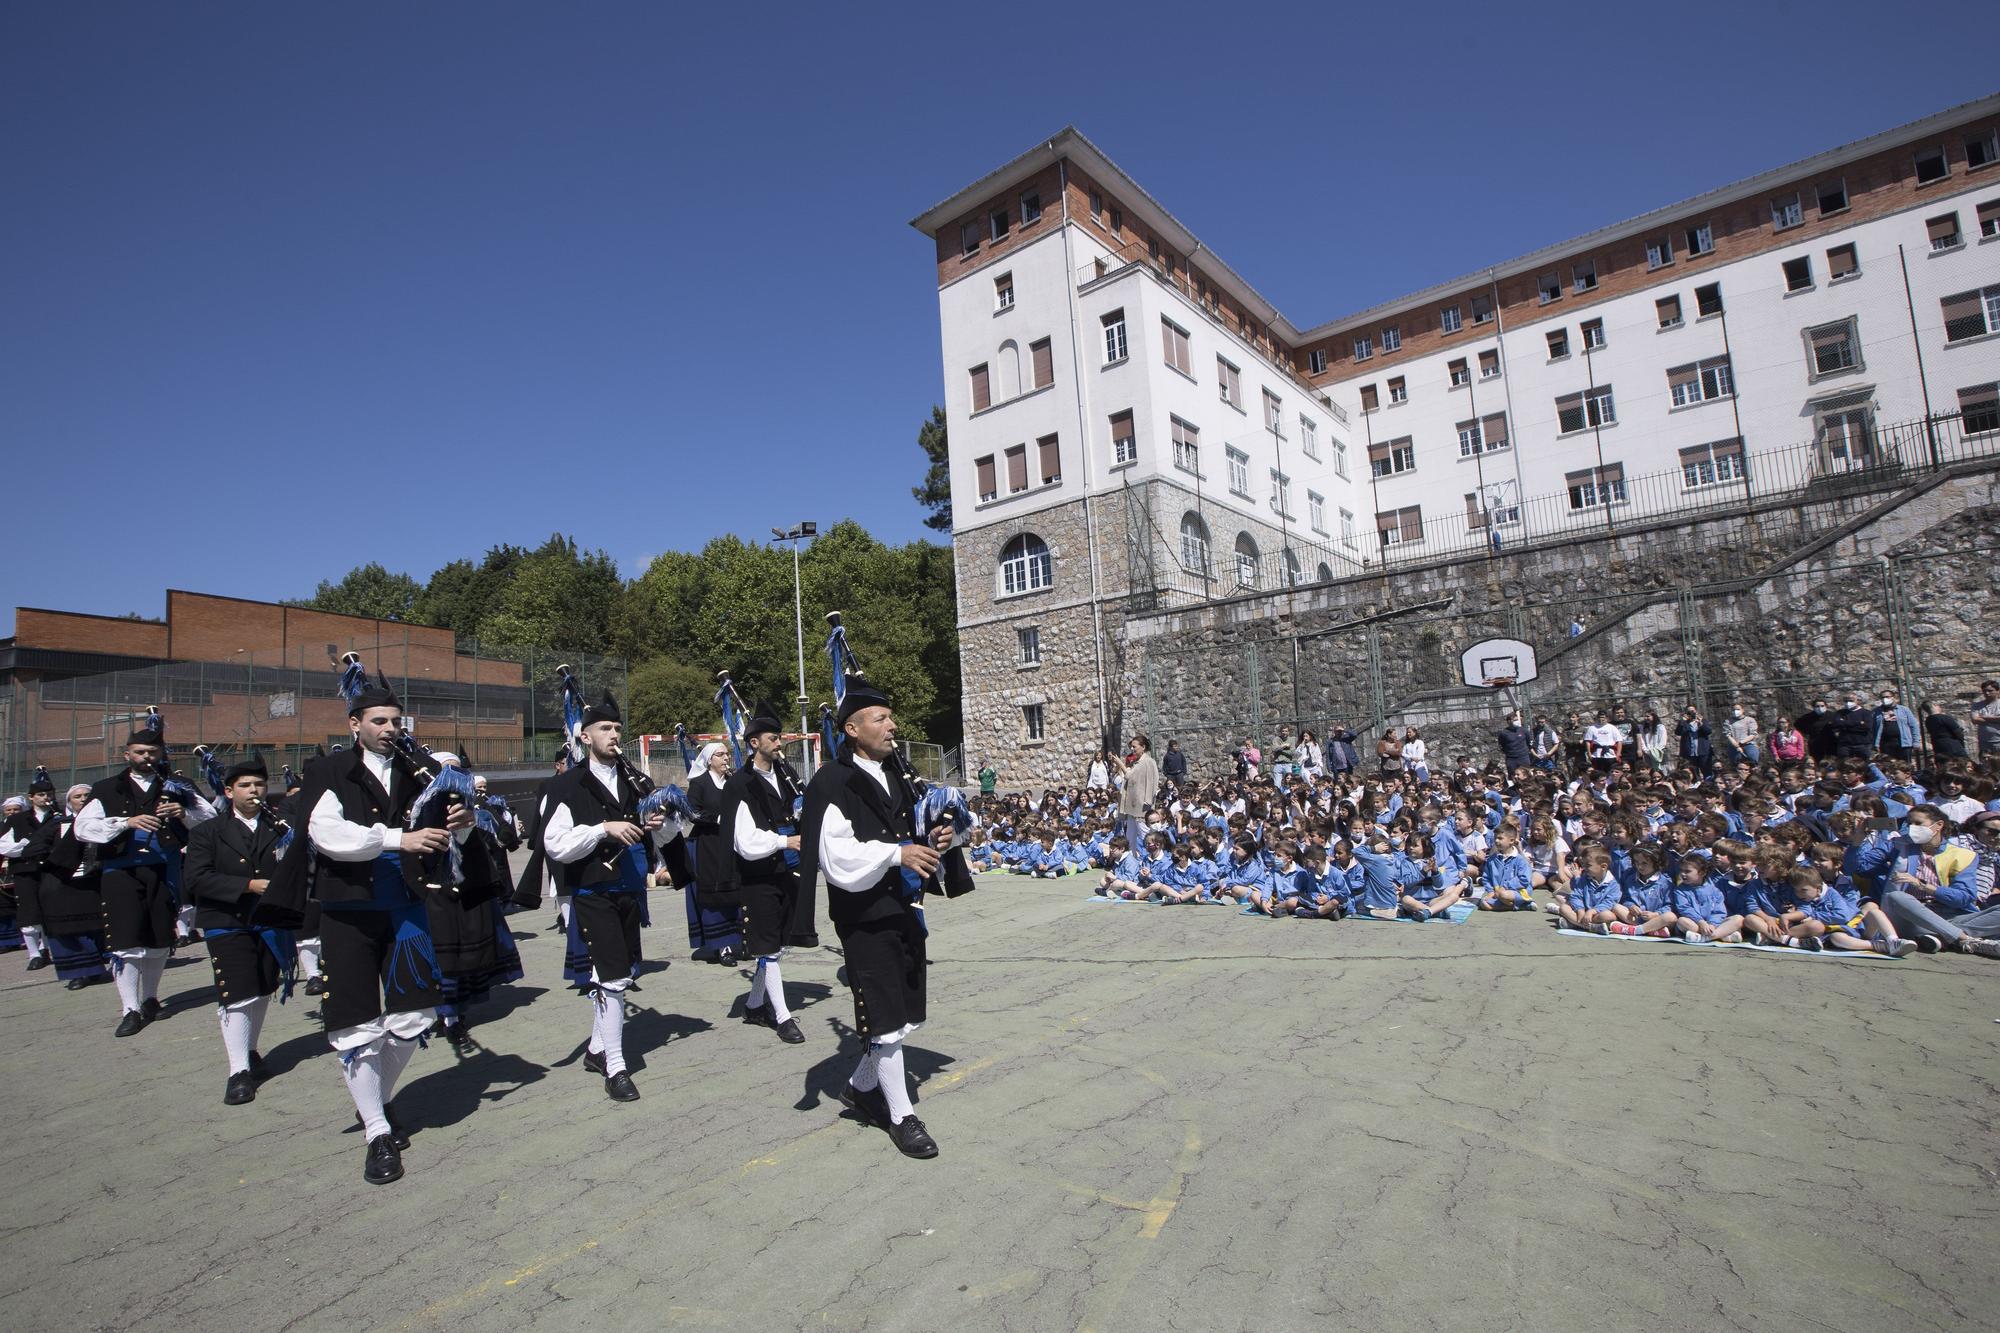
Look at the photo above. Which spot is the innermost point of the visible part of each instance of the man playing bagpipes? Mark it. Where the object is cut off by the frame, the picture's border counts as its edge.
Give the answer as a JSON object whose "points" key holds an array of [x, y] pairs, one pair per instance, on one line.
{"points": [[760, 812], [862, 828], [231, 860], [138, 820], [601, 834]]}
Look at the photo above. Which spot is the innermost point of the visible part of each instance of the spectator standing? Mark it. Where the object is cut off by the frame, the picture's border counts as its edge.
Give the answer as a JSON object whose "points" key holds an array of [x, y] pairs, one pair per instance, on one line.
{"points": [[1788, 743], [1739, 733], [1575, 748], [1692, 742], [1819, 730], [1416, 756], [1173, 764], [1341, 756], [1389, 752], [989, 778], [1853, 729], [1097, 776], [1896, 733], [1282, 755], [1605, 742], [1311, 759], [1986, 717], [1652, 740], [1942, 730], [1515, 752], [1544, 743], [1142, 784]]}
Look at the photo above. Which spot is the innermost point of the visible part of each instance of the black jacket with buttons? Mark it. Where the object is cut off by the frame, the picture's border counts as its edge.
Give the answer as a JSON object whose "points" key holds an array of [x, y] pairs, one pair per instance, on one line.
{"points": [[223, 856]]}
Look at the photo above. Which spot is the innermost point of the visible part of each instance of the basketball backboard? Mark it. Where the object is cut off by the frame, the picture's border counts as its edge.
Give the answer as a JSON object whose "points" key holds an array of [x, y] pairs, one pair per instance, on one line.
{"points": [[1493, 663]]}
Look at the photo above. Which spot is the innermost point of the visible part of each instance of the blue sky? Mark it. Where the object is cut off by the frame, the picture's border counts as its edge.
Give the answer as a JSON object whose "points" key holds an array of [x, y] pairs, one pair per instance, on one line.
{"points": [[323, 284]]}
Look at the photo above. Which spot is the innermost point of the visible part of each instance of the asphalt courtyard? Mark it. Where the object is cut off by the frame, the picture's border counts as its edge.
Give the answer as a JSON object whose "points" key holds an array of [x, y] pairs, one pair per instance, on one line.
{"points": [[1150, 1119]]}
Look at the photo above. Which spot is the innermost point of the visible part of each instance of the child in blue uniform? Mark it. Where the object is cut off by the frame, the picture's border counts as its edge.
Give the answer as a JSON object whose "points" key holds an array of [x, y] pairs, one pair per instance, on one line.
{"points": [[1824, 917], [1508, 877], [1592, 903], [1122, 879], [1645, 903], [1245, 874], [1323, 893], [1281, 893], [1700, 912]]}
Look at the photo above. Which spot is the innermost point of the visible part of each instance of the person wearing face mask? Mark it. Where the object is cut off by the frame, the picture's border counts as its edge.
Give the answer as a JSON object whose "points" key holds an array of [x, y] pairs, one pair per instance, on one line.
{"points": [[1515, 751], [1962, 912], [1740, 731], [1853, 730], [1817, 726], [1895, 732]]}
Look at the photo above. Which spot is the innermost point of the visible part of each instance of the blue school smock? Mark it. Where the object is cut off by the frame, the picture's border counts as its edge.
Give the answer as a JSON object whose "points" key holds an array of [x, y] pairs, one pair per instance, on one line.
{"points": [[1250, 874], [1378, 879], [1514, 872], [1700, 902], [1594, 895]]}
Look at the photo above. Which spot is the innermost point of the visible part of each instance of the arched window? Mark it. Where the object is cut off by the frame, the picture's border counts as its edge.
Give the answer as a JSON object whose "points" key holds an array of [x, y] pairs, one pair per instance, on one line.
{"points": [[1025, 565], [1194, 544], [1325, 572], [1008, 366], [1293, 574], [1246, 560]]}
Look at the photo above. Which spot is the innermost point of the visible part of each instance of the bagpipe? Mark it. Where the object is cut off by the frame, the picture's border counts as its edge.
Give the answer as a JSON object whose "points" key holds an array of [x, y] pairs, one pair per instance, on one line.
{"points": [[442, 789], [175, 786], [652, 798], [216, 776], [735, 715]]}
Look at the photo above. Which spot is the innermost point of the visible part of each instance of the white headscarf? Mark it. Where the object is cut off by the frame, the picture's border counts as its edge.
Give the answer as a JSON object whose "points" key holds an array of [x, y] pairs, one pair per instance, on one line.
{"points": [[701, 758]]}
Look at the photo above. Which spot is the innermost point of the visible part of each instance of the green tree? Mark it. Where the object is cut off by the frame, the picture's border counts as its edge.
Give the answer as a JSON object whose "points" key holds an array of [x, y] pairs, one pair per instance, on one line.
{"points": [[462, 595], [368, 590], [557, 597], [935, 493], [663, 691]]}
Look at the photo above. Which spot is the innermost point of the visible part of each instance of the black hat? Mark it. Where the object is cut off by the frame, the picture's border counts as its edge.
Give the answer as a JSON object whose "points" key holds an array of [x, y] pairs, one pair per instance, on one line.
{"points": [[251, 766], [858, 695], [42, 781], [763, 722], [604, 710], [146, 736], [373, 696]]}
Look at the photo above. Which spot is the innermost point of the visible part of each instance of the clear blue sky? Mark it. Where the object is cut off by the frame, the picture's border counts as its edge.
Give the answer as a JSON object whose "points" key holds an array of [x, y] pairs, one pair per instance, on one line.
{"points": [[292, 287]]}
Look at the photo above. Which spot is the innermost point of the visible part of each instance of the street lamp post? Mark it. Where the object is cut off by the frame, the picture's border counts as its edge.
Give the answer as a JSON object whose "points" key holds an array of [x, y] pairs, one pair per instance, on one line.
{"points": [[795, 534]]}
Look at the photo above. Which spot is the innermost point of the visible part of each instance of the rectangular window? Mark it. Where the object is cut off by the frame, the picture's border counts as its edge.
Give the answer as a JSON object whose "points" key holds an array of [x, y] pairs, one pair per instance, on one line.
{"points": [[1041, 356], [996, 224], [1660, 253], [1459, 373], [1970, 314], [1050, 454], [1340, 458], [1030, 640], [1281, 493], [1712, 464], [1450, 320], [1593, 334], [1700, 381], [1471, 439], [1316, 361], [1003, 292], [1798, 273], [1031, 209], [1370, 400], [1347, 527], [1669, 308], [1239, 472], [1558, 344], [1699, 240], [1482, 309], [1708, 299], [1979, 408], [1118, 222], [1943, 231], [1393, 457], [1229, 382], [968, 238], [1124, 444], [1274, 414], [1493, 428], [1187, 447], [1392, 339], [1475, 512], [1114, 337], [1989, 219], [1786, 212], [1846, 436], [1017, 469], [1833, 198], [1841, 262], [1399, 392], [1597, 486], [1316, 510], [1096, 206], [1363, 348], [989, 489], [1309, 436], [1583, 275], [1174, 339], [982, 394], [1834, 348], [1550, 285], [1581, 411], [1400, 527], [1983, 151], [1031, 722], [1932, 165], [1489, 363]]}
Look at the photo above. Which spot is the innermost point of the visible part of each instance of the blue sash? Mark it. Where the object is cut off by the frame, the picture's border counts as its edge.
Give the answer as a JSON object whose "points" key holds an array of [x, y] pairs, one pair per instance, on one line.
{"points": [[283, 945], [413, 966], [632, 873]]}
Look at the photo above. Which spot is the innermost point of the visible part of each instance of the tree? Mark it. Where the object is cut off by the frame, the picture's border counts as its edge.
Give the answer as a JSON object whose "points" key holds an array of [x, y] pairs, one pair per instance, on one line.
{"points": [[556, 597], [461, 596], [935, 493], [662, 692], [368, 590]]}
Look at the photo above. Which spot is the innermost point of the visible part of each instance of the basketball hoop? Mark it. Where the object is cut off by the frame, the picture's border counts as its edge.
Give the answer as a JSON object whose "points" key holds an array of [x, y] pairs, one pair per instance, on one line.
{"points": [[1497, 664]]}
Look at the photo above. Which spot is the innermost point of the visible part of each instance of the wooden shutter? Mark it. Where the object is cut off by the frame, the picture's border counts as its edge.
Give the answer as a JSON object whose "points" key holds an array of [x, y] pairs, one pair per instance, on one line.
{"points": [[1369, 399], [1378, 453], [1051, 458], [982, 396], [1943, 229], [1494, 429], [1963, 311], [1680, 375], [1121, 435], [1475, 513], [1045, 363], [1017, 468], [1669, 308], [1841, 261], [987, 484], [1386, 522], [1412, 520]]}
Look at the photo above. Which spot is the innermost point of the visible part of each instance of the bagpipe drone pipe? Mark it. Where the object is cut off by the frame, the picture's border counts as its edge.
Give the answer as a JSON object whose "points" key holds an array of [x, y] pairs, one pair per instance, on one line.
{"points": [[735, 716], [652, 799]]}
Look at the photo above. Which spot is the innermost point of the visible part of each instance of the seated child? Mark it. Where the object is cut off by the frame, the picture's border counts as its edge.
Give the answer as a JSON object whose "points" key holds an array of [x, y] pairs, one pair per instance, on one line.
{"points": [[1645, 904], [1281, 893], [1700, 912], [1380, 894], [1743, 893], [1435, 887], [1508, 876], [980, 854], [1824, 916], [1323, 890], [1244, 875], [1180, 882], [1153, 864], [1122, 879], [1592, 903], [1047, 862]]}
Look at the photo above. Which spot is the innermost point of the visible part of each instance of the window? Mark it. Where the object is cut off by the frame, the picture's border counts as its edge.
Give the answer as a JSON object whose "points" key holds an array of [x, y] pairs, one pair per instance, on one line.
{"points": [[1712, 464], [1230, 382], [1989, 219], [1194, 544], [1550, 286], [1096, 206], [989, 488], [1943, 231], [1049, 452], [1392, 339], [1025, 565], [1841, 262], [968, 238], [1482, 309], [1274, 414], [1582, 411], [1932, 165], [1459, 373], [1593, 334], [1175, 339], [1239, 472], [1786, 212], [982, 390], [1583, 275], [1003, 292], [1487, 435], [1041, 358], [1369, 399], [1030, 641], [1187, 446], [1983, 151], [1700, 382], [1450, 320], [1660, 253], [1031, 722], [1708, 299], [1669, 308], [1347, 527], [1971, 314], [1470, 439], [1114, 337], [1392, 457], [1308, 436], [1316, 361], [1017, 469], [1558, 344], [1246, 560], [1400, 527], [1834, 348], [1845, 431], [1124, 445], [1340, 458], [996, 224], [1700, 240], [1281, 493], [1833, 198], [1597, 486], [1363, 348], [1399, 392], [1118, 222], [1979, 408], [1293, 572], [1153, 248], [1316, 510], [1489, 363], [1031, 209], [1798, 273]]}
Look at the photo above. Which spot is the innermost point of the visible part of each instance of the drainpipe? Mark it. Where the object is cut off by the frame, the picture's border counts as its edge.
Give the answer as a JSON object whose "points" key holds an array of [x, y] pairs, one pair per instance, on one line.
{"points": [[1084, 444]]}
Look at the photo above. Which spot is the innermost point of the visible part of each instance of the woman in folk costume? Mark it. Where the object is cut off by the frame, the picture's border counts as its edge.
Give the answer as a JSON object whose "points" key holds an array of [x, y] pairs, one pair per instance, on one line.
{"points": [[72, 907], [714, 899], [475, 950]]}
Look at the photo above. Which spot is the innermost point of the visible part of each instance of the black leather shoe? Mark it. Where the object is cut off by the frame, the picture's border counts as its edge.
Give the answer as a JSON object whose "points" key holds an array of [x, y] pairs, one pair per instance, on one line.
{"points": [[258, 1069], [130, 1024], [619, 1088], [557, 924], [397, 1133], [242, 1088], [151, 1009], [758, 1015], [461, 1040], [315, 986], [788, 1032], [593, 1062], [37, 963], [77, 983], [385, 1161], [869, 1105], [911, 1140]]}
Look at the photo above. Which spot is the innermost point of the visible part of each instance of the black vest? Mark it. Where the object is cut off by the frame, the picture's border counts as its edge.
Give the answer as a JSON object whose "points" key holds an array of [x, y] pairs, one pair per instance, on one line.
{"points": [[24, 825], [121, 799], [877, 816], [770, 809], [579, 791]]}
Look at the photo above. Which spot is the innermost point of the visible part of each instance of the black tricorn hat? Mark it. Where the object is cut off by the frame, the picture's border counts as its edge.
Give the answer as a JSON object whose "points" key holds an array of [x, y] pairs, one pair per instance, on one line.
{"points": [[604, 710], [858, 695]]}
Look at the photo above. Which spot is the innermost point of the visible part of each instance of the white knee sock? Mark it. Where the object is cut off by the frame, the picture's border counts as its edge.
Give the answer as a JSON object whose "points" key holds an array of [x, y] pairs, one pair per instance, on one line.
{"points": [[362, 1068], [396, 1053], [308, 959], [607, 1029], [32, 937], [864, 1078], [125, 971], [152, 967], [889, 1072], [562, 910], [772, 983], [756, 986], [256, 1009], [236, 1038]]}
